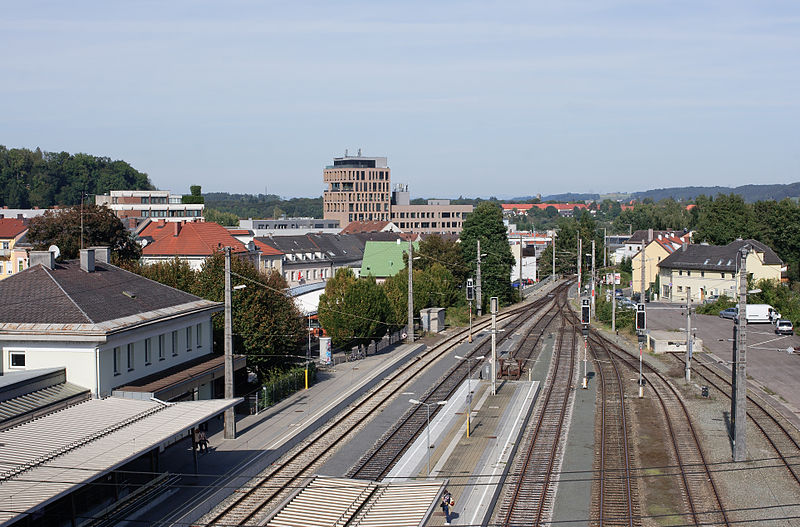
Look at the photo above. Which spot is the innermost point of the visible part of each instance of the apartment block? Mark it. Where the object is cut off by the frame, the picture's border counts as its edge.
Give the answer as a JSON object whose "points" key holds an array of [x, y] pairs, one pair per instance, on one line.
{"points": [[149, 204], [357, 189]]}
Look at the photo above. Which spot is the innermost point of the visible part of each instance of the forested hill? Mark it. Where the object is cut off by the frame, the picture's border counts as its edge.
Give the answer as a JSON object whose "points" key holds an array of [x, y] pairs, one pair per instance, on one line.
{"points": [[263, 205], [32, 178], [750, 193]]}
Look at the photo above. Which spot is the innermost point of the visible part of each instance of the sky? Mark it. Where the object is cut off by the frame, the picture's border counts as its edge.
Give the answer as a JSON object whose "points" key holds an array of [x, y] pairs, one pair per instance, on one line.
{"points": [[505, 98]]}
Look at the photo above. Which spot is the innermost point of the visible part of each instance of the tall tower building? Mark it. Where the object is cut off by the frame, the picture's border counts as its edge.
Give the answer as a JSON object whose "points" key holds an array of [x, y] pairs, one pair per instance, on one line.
{"points": [[357, 188]]}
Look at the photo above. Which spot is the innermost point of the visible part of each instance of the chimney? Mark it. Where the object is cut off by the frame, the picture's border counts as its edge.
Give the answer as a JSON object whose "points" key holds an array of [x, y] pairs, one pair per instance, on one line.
{"points": [[649, 235], [87, 260], [659, 236], [102, 254], [46, 258], [176, 228], [20, 216], [684, 246]]}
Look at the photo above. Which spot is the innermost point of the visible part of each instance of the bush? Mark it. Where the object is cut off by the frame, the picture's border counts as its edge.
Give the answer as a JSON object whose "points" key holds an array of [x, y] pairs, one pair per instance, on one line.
{"points": [[625, 317], [714, 308]]}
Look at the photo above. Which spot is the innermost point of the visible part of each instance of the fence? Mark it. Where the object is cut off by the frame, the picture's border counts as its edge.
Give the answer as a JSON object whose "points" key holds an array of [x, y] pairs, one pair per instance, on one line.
{"points": [[281, 387]]}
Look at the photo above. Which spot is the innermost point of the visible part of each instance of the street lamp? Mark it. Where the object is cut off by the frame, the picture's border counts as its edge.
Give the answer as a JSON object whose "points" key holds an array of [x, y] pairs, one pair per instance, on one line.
{"points": [[428, 409], [469, 385]]}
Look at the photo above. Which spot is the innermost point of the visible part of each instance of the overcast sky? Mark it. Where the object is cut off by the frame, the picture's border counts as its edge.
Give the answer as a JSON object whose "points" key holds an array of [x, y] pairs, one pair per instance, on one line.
{"points": [[464, 98]]}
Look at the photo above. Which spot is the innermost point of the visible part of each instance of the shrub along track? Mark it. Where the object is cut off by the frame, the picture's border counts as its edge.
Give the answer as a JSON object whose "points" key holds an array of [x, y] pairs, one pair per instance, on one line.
{"points": [[269, 488]]}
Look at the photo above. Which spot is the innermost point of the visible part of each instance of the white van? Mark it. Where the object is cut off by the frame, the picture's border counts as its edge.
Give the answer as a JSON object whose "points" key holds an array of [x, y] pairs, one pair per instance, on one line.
{"points": [[761, 313]]}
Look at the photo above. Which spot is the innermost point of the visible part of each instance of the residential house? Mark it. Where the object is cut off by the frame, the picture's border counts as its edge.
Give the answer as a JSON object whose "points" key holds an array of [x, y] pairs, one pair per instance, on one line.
{"points": [[109, 328], [655, 250], [634, 242], [703, 270], [565, 210], [384, 259], [13, 258], [191, 241], [149, 204], [316, 257]]}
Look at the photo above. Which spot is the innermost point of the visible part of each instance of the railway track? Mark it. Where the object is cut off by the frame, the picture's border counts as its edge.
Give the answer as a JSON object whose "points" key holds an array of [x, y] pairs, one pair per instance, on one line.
{"points": [[277, 482], [528, 499], [780, 436], [694, 476], [614, 498], [378, 462]]}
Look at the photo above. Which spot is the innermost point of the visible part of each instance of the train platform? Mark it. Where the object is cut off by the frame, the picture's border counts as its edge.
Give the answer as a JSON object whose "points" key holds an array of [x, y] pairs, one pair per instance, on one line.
{"points": [[263, 438], [475, 465]]}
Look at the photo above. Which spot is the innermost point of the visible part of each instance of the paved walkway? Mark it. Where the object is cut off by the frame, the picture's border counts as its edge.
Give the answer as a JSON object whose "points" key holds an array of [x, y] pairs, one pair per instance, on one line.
{"points": [[262, 439]]}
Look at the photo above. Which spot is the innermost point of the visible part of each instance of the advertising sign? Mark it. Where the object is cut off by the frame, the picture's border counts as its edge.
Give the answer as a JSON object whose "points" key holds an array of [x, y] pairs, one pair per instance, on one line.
{"points": [[325, 350]]}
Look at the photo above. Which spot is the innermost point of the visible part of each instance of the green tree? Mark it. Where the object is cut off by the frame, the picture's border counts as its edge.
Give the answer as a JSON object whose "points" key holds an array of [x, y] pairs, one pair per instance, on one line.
{"points": [[225, 219], [175, 273], [368, 308], [724, 219], [267, 325], [62, 227], [196, 195], [485, 223], [332, 314], [434, 249]]}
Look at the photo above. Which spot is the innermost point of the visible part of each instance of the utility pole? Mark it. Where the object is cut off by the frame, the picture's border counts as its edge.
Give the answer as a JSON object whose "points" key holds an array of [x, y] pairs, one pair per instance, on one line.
{"points": [[580, 248], [410, 334], [594, 315], [613, 302], [478, 291], [605, 247], [521, 293], [230, 422], [689, 343], [739, 373], [554, 255], [643, 278], [493, 307]]}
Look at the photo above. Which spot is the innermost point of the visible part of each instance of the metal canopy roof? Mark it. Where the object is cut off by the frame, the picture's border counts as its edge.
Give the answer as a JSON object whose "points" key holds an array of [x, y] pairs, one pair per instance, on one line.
{"points": [[45, 459], [329, 502]]}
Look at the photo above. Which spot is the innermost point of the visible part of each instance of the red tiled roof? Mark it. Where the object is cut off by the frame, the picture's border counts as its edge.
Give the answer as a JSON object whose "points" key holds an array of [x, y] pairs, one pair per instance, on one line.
{"points": [[240, 232], [194, 239], [11, 227], [355, 227], [267, 249], [542, 206]]}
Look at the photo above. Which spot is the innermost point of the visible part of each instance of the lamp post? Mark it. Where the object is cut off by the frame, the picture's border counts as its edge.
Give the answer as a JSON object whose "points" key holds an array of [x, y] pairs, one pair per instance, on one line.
{"points": [[469, 385], [230, 420], [428, 410]]}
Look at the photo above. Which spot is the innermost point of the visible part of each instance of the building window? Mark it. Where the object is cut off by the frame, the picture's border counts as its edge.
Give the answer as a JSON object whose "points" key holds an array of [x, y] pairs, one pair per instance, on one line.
{"points": [[148, 351], [5, 245], [117, 358], [680, 289], [722, 275], [688, 273], [199, 336], [702, 274], [161, 346], [188, 339], [174, 343], [130, 357], [17, 359], [680, 273], [20, 265]]}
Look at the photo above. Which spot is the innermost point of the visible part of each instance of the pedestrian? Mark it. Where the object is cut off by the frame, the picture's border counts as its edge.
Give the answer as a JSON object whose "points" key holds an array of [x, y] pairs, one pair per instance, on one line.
{"points": [[203, 443], [447, 502], [195, 439]]}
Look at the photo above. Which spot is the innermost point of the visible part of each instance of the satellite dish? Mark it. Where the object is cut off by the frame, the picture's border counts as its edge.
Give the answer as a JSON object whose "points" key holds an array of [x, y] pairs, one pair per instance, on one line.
{"points": [[54, 249]]}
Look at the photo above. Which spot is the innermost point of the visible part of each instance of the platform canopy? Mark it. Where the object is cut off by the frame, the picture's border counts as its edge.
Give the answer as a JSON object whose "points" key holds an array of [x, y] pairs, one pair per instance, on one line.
{"points": [[47, 458]]}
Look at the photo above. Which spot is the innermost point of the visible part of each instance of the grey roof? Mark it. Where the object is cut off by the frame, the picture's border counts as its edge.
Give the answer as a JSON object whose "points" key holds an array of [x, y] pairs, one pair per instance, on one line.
{"points": [[68, 295], [336, 248], [715, 257], [39, 458]]}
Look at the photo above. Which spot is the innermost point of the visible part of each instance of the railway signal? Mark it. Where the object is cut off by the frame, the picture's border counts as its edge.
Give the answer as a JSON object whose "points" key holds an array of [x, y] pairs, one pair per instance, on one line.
{"points": [[470, 297], [586, 313], [641, 328]]}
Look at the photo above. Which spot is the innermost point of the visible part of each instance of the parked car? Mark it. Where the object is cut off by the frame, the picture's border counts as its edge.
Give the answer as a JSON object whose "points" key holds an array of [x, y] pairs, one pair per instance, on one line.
{"points": [[626, 303], [729, 313], [618, 292], [711, 299], [784, 327]]}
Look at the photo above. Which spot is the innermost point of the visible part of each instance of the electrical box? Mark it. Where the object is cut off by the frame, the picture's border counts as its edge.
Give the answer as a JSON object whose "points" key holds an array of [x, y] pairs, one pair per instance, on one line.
{"points": [[470, 289], [585, 311], [493, 304], [641, 318]]}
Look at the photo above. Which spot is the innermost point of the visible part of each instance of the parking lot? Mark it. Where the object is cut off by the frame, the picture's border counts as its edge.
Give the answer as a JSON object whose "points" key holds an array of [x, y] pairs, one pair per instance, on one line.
{"points": [[768, 363]]}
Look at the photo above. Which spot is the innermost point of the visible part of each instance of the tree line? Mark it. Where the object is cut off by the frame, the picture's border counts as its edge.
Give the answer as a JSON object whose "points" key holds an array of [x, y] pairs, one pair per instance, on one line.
{"points": [[33, 178]]}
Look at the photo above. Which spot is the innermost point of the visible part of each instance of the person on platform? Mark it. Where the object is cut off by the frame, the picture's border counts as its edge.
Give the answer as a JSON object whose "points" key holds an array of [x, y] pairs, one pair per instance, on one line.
{"points": [[447, 502]]}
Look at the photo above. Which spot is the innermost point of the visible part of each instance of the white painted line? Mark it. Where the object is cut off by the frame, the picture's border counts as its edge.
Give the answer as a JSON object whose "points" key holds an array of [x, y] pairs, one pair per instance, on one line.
{"points": [[454, 442], [498, 467]]}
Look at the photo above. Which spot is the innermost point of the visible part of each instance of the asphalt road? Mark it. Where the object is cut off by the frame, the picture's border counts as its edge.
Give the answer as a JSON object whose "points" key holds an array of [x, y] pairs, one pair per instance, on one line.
{"points": [[768, 363]]}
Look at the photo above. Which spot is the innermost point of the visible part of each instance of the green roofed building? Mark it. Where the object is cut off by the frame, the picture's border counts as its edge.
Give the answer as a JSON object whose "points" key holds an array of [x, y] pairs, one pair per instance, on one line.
{"points": [[384, 259]]}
